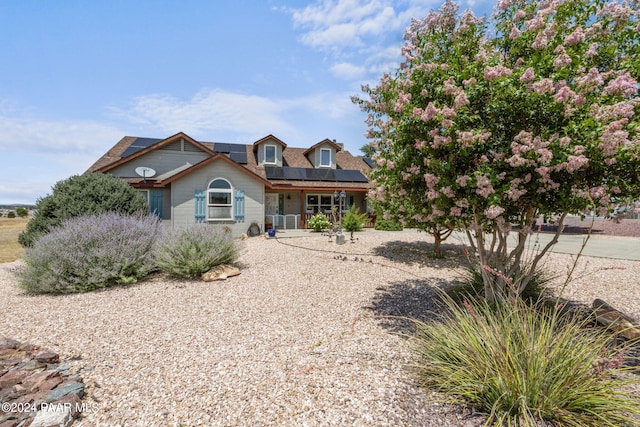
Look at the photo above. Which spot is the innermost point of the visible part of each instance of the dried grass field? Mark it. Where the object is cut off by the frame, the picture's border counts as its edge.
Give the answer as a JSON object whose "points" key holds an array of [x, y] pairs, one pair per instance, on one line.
{"points": [[10, 228]]}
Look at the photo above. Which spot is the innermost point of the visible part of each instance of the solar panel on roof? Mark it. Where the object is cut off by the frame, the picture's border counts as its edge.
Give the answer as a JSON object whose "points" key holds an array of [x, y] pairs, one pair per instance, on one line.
{"points": [[344, 175], [239, 157], [369, 161], [224, 147], [309, 174], [139, 144]]}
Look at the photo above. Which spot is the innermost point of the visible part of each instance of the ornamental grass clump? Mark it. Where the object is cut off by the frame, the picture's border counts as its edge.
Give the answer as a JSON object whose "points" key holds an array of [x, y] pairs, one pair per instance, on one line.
{"points": [[189, 252], [91, 252], [521, 364]]}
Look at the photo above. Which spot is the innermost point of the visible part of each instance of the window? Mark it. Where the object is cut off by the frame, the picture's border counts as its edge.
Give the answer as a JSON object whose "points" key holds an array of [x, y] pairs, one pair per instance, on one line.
{"points": [[219, 200], [325, 157], [270, 154], [319, 203]]}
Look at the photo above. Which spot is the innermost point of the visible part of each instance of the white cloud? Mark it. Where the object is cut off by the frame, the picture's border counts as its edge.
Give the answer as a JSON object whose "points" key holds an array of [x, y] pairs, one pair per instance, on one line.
{"points": [[342, 24], [348, 71], [209, 112], [41, 136]]}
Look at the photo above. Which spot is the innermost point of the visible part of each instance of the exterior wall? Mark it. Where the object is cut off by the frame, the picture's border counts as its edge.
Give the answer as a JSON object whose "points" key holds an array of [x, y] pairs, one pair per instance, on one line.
{"points": [[260, 153], [183, 202], [315, 157], [161, 160]]}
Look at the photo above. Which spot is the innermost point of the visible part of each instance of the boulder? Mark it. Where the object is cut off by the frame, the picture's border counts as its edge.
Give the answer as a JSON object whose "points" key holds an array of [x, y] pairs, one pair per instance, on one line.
{"points": [[622, 324], [220, 272]]}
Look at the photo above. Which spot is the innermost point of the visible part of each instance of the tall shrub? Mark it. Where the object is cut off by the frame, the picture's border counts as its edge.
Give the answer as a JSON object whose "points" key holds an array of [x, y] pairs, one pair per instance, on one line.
{"points": [[91, 252], [487, 126], [88, 194]]}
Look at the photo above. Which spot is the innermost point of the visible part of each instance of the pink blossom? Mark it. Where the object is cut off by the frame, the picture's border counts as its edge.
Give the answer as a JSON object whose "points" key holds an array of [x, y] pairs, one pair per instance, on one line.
{"points": [[492, 73], [623, 84], [534, 24], [462, 180], [564, 94], [484, 187], [564, 141], [447, 191], [431, 180], [528, 75], [456, 211], [515, 33], [430, 112], [461, 100], [465, 138], [576, 162], [519, 15], [561, 60], [544, 86], [493, 212], [576, 37], [592, 51]]}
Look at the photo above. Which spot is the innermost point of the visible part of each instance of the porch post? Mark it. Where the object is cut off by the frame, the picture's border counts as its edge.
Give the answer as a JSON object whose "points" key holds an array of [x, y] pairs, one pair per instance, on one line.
{"points": [[303, 217]]}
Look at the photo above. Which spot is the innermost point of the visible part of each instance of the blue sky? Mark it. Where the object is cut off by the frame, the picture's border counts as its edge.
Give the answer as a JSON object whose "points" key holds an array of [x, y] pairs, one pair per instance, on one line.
{"points": [[77, 76]]}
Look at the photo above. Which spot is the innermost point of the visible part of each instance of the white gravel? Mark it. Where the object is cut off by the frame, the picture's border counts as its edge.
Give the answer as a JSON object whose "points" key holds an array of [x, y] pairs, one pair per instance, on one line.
{"points": [[296, 339]]}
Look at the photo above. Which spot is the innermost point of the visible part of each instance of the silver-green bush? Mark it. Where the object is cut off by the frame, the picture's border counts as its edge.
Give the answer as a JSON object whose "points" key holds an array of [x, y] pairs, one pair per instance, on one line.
{"points": [[189, 252], [91, 252]]}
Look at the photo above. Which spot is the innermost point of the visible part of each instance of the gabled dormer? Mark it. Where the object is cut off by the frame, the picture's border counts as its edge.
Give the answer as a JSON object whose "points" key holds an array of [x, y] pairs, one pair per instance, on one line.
{"points": [[323, 154], [268, 151]]}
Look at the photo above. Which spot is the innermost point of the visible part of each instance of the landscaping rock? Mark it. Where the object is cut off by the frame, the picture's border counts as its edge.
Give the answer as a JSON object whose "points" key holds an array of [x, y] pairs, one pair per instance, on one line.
{"points": [[608, 316], [58, 416], [220, 272], [65, 389], [47, 357], [39, 391]]}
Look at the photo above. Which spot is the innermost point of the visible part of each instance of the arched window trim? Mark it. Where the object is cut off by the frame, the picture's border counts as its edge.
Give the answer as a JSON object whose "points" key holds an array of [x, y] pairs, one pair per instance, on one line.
{"points": [[220, 201]]}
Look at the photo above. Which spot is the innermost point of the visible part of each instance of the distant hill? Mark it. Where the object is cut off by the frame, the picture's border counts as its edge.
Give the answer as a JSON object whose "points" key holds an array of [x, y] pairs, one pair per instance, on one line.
{"points": [[16, 206]]}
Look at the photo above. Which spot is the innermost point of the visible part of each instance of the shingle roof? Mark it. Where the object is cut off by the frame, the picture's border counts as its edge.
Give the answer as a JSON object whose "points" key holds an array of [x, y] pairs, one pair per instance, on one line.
{"points": [[292, 157]]}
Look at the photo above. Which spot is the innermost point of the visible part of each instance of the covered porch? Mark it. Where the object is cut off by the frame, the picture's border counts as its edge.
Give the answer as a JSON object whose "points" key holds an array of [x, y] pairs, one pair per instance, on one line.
{"points": [[287, 209]]}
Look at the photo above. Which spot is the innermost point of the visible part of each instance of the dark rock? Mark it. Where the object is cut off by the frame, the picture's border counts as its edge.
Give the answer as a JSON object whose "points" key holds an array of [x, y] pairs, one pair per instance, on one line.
{"points": [[8, 343], [12, 378], [47, 357], [65, 389]]}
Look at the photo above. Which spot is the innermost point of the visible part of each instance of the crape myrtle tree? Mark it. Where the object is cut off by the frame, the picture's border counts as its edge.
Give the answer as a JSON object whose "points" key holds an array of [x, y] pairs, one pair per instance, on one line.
{"points": [[486, 128]]}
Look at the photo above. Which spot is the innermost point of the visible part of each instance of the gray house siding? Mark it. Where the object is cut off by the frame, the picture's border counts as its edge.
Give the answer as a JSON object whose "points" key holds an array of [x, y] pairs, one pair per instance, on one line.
{"points": [[162, 161], [183, 202]]}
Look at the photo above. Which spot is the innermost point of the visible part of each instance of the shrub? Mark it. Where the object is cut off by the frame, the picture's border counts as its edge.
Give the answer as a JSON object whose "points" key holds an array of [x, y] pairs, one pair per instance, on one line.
{"points": [[353, 220], [521, 363], [387, 224], [88, 194], [191, 251], [319, 222], [90, 252]]}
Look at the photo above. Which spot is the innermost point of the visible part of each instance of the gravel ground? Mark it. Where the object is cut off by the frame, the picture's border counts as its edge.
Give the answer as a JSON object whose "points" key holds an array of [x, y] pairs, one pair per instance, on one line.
{"points": [[299, 338]]}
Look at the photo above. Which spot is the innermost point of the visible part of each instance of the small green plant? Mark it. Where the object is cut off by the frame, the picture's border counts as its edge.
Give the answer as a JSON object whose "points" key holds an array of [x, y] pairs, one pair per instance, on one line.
{"points": [[521, 364], [387, 224], [189, 252], [353, 220], [91, 252], [319, 222]]}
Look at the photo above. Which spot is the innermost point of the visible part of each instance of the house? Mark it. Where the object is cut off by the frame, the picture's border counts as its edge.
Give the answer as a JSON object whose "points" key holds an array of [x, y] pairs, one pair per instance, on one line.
{"points": [[249, 188]]}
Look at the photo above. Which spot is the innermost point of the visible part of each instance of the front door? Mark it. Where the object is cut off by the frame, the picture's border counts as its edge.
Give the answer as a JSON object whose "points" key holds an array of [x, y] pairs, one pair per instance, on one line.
{"points": [[271, 202]]}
